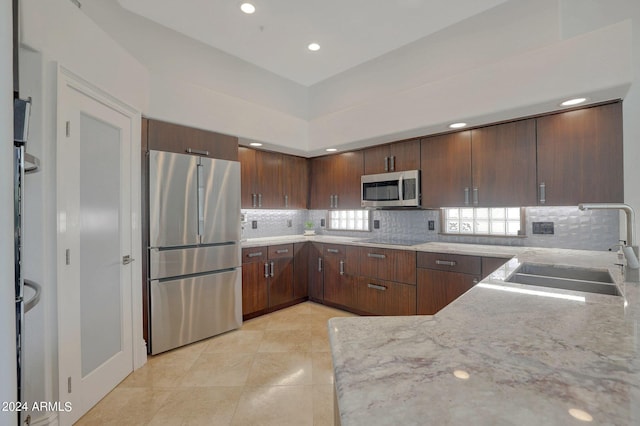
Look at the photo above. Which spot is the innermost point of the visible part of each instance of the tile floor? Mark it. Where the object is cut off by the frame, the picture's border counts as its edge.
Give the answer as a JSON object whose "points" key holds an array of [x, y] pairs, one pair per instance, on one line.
{"points": [[275, 370]]}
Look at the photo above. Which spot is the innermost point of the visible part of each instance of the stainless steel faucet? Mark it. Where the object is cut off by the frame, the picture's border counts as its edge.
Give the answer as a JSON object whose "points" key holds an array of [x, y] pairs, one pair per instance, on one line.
{"points": [[630, 249]]}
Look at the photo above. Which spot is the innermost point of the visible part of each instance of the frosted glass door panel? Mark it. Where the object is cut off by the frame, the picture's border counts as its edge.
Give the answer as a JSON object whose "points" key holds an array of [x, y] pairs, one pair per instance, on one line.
{"points": [[100, 259]]}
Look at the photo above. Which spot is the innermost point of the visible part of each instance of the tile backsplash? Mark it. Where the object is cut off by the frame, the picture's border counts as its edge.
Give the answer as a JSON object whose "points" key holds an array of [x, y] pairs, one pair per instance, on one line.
{"points": [[574, 229]]}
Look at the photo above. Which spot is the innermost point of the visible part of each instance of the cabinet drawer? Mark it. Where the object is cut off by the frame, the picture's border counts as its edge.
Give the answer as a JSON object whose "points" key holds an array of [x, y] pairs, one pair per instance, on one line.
{"points": [[254, 254], [388, 264], [450, 262], [334, 250], [381, 297], [280, 251]]}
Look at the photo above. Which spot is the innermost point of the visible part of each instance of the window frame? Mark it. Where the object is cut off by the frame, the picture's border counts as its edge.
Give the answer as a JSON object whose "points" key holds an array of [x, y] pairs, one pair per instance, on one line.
{"points": [[522, 233]]}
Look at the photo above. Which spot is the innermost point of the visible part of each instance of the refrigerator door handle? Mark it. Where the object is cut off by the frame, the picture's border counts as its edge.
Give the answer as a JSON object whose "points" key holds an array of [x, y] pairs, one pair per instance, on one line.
{"points": [[201, 189]]}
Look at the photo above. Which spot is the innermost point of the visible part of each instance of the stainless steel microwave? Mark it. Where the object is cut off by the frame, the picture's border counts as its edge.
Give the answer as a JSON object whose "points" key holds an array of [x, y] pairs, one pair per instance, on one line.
{"points": [[385, 190]]}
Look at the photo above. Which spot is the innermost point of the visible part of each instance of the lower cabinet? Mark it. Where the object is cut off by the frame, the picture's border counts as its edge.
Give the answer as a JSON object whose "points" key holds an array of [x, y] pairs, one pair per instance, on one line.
{"points": [[340, 274], [316, 272], [436, 289], [381, 297]]}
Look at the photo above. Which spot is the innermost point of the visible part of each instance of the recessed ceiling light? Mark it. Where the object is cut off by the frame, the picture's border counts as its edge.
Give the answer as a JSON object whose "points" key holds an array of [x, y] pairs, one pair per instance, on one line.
{"points": [[457, 125], [575, 101], [255, 144], [331, 150], [313, 47], [247, 8]]}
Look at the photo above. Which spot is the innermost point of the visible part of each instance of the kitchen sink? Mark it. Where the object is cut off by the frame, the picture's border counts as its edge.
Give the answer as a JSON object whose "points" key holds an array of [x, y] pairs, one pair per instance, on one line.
{"points": [[567, 278]]}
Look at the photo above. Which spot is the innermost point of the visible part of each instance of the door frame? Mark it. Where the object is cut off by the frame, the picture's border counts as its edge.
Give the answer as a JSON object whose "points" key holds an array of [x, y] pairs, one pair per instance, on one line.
{"points": [[66, 80]]}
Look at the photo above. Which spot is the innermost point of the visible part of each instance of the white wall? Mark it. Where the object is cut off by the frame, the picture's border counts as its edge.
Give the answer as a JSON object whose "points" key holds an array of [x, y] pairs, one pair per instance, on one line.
{"points": [[56, 32], [8, 382]]}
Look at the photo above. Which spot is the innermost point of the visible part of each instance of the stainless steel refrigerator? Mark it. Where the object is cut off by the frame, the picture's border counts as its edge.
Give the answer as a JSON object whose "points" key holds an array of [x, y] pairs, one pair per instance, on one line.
{"points": [[195, 284]]}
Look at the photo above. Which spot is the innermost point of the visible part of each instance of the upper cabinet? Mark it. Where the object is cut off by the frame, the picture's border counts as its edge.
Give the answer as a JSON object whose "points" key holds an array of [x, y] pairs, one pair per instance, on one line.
{"points": [[163, 136], [393, 157], [485, 167], [503, 159], [335, 181], [273, 181], [580, 156]]}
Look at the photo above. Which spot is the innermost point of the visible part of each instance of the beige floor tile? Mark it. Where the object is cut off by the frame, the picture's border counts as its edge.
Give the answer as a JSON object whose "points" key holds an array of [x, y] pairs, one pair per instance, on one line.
{"points": [[259, 323], [278, 369], [199, 406], [218, 369], [323, 405], [322, 365], [237, 341], [166, 369], [275, 405], [286, 341], [134, 406]]}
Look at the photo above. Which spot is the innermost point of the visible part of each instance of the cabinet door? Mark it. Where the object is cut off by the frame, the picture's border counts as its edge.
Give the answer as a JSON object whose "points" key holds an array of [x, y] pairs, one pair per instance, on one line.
{"points": [[316, 272], [446, 170], [376, 160], [387, 264], [380, 297], [268, 169], [248, 186], [321, 184], [405, 155], [280, 281], [490, 264], [340, 273], [171, 137], [295, 182], [436, 289], [254, 288], [504, 164], [347, 172], [580, 156], [301, 252]]}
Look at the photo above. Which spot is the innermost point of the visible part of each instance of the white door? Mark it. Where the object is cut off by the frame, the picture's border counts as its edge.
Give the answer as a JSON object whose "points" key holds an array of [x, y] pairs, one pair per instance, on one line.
{"points": [[94, 237]]}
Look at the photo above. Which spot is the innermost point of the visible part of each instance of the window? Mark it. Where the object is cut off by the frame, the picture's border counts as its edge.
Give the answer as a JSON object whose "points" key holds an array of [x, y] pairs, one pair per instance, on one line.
{"points": [[349, 220], [495, 221]]}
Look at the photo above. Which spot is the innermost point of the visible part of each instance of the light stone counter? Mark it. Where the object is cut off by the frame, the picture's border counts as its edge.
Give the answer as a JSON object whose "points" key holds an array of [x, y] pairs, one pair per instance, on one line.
{"points": [[496, 357]]}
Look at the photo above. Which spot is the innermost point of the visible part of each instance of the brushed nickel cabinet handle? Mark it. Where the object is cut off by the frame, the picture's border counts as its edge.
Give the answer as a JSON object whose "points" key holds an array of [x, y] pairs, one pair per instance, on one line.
{"points": [[475, 196], [286, 201], [376, 256], [255, 254], [393, 163], [319, 264], [376, 287], [197, 151], [266, 270], [271, 273], [446, 262], [336, 203], [333, 250], [342, 267], [466, 196], [331, 201], [543, 193], [386, 164], [259, 200], [280, 251]]}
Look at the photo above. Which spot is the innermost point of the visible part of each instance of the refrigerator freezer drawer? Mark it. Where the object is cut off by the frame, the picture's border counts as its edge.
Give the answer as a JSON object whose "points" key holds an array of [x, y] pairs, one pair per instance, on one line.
{"points": [[194, 260], [191, 309]]}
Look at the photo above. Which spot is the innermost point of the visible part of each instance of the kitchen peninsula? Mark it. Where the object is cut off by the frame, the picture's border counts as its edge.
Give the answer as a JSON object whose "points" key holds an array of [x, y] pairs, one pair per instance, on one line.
{"points": [[498, 355]]}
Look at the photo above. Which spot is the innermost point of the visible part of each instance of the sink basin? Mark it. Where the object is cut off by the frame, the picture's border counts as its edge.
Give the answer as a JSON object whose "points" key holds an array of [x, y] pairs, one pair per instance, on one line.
{"points": [[567, 278]]}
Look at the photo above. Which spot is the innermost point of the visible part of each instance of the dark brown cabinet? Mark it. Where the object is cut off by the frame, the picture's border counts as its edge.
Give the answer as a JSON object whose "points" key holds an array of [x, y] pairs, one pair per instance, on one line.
{"points": [[442, 278], [446, 170], [580, 156], [490, 264], [335, 181], [388, 264], [280, 274], [316, 272], [492, 166], [503, 159], [163, 136], [394, 157], [340, 274], [380, 297], [255, 273], [301, 253], [271, 180]]}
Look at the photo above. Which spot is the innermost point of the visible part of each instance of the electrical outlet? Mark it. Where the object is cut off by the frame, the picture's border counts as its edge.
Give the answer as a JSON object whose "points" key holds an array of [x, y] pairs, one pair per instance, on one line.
{"points": [[254, 224], [322, 223], [432, 225], [289, 223], [376, 224], [544, 228]]}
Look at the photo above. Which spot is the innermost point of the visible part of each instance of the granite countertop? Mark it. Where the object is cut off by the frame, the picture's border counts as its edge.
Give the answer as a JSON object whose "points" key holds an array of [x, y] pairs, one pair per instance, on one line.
{"points": [[497, 356]]}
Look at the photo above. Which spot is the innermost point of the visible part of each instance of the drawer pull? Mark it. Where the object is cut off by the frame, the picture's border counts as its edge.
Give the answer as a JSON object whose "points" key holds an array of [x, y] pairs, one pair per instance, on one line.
{"points": [[376, 287], [376, 256], [197, 151], [255, 254], [281, 251], [446, 262], [333, 251]]}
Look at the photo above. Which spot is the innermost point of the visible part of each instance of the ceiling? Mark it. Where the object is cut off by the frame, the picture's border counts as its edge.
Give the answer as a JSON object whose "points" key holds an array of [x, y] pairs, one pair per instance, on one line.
{"points": [[276, 36]]}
